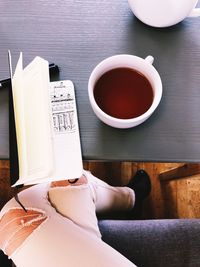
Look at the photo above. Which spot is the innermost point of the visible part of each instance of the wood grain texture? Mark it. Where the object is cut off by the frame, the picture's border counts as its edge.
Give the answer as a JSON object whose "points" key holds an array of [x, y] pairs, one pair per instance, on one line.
{"points": [[168, 199], [180, 172], [77, 35], [188, 197], [6, 191]]}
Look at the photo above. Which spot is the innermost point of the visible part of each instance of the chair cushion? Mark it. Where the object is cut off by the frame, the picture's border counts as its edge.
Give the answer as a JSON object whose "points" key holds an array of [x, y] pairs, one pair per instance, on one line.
{"points": [[155, 243]]}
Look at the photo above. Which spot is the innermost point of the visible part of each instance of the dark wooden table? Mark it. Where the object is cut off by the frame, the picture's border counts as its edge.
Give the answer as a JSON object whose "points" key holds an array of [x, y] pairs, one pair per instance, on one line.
{"points": [[78, 34]]}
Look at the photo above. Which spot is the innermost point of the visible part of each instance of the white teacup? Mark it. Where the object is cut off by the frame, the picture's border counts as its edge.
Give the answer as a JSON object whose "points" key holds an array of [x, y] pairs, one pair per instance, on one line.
{"points": [[145, 68], [163, 13]]}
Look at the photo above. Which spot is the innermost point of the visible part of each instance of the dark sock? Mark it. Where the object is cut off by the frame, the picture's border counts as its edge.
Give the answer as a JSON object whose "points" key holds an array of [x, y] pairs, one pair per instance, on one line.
{"points": [[141, 184]]}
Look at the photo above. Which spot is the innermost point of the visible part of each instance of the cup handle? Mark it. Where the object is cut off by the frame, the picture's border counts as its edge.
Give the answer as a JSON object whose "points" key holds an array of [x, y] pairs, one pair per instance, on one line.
{"points": [[194, 13], [149, 59]]}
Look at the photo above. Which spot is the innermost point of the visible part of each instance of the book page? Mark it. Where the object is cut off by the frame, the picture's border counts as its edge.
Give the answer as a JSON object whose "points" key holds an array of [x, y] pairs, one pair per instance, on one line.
{"points": [[18, 104], [66, 137], [67, 147], [33, 124]]}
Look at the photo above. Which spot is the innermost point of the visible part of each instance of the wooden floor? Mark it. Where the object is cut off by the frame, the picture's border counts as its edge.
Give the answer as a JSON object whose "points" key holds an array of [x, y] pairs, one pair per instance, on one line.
{"points": [[168, 199]]}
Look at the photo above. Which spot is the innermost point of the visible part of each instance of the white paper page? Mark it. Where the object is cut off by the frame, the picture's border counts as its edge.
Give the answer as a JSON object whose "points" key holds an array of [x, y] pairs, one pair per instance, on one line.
{"points": [[36, 123], [18, 102], [66, 138]]}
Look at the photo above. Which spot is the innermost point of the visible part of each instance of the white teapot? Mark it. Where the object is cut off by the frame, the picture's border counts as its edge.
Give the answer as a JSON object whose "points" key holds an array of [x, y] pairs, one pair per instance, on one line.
{"points": [[163, 13]]}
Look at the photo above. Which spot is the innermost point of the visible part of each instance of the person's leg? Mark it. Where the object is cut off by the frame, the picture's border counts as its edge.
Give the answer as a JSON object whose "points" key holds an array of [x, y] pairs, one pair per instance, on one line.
{"points": [[114, 200], [78, 203], [78, 224], [58, 240], [16, 225], [75, 201], [108, 198], [81, 200]]}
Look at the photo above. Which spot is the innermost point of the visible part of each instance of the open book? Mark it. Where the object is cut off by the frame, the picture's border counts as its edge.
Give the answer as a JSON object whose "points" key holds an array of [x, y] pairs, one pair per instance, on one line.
{"points": [[48, 140]]}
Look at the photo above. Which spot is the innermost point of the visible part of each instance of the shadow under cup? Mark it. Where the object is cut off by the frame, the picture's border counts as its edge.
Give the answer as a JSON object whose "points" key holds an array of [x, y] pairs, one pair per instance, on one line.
{"points": [[124, 90]]}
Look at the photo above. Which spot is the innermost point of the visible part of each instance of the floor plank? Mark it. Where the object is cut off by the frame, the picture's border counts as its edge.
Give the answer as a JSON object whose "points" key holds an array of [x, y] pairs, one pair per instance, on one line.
{"points": [[168, 199]]}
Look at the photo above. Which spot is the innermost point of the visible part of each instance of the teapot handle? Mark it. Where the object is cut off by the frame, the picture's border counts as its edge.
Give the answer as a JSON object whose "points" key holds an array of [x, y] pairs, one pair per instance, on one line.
{"points": [[194, 13]]}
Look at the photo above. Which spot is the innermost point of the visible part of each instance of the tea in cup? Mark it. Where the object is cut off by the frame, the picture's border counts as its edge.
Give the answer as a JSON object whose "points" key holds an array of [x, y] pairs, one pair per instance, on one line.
{"points": [[124, 90], [163, 13]]}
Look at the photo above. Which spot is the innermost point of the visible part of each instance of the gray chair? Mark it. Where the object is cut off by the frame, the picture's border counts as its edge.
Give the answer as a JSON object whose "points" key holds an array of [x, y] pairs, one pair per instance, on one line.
{"points": [[155, 243]]}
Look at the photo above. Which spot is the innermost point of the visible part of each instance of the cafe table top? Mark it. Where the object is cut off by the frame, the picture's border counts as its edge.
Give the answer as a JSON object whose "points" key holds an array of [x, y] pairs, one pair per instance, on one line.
{"points": [[78, 34]]}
